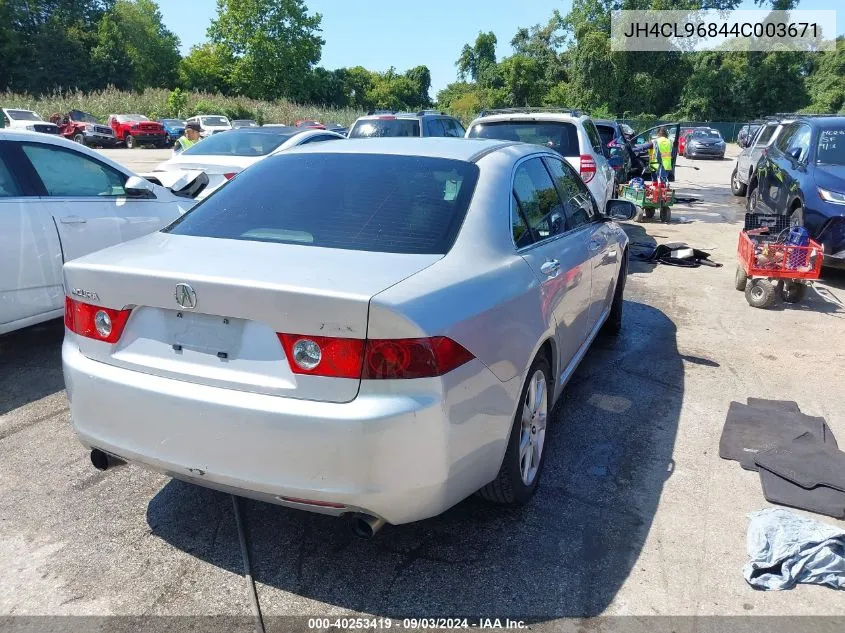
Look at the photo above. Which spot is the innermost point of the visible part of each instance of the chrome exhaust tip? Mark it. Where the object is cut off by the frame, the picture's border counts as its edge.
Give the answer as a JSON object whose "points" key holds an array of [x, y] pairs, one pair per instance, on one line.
{"points": [[366, 526]]}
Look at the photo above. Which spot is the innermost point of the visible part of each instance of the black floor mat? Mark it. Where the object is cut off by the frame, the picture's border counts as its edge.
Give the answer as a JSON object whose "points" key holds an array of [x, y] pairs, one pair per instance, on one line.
{"points": [[749, 430], [807, 463], [780, 405]]}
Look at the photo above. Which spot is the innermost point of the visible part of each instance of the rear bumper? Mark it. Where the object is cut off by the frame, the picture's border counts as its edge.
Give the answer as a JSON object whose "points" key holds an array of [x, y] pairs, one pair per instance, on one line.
{"points": [[402, 456]]}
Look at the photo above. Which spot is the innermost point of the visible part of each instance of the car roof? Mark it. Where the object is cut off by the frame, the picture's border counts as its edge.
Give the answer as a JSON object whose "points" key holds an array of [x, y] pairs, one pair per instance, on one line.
{"points": [[464, 149], [816, 121], [560, 117]]}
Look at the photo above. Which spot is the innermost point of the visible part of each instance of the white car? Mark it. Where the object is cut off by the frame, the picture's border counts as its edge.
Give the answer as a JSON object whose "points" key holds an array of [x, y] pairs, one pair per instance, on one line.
{"points": [[17, 119], [60, 200], [211, 123], [570, 133], [224, 156]]}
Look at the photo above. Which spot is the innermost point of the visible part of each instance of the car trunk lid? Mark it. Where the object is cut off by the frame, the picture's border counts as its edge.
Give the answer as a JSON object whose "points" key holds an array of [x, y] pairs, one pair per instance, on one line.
{"points": [[244, 293]]}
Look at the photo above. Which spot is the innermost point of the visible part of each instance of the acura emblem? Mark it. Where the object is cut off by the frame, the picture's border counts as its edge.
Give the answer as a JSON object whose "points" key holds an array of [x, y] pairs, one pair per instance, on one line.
{"points": [[185, 296]]}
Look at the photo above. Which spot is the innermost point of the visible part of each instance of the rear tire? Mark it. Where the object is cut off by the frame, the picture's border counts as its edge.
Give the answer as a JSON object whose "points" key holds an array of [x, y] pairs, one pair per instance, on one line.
{"points": [[740, 279], [753, 200], [737, 188], [613, 325], [518, 477], [760, 293]]}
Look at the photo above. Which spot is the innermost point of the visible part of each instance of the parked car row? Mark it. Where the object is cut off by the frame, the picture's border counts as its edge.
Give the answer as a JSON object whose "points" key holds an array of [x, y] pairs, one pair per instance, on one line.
{"points": [[794, 166]]}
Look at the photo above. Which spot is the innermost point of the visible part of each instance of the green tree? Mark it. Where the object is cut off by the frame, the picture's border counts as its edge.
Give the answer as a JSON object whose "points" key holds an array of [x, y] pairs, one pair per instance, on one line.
{"points": [[274, 44], [478, 58], [134, 49], [46, 44], [826, 80], [206, 68], [420, 77]]}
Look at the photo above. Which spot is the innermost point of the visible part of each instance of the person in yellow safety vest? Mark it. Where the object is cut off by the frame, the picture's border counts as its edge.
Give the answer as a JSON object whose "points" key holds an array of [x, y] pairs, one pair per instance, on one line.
{"points": [[189, 138], [659, 154]]}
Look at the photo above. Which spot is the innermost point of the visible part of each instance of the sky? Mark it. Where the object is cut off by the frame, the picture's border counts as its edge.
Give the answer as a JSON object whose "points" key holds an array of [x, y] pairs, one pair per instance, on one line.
{"points": [[377, 34]]}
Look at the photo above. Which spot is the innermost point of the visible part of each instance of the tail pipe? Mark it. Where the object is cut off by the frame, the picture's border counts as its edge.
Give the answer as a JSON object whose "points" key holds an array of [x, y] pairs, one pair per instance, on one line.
{"points": [[103, 461], [366, 526]]}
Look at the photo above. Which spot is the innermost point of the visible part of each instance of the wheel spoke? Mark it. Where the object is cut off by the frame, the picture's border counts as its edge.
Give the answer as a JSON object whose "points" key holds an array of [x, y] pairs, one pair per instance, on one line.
{"points": [[539, 390], [524, 444], [526, 461]]}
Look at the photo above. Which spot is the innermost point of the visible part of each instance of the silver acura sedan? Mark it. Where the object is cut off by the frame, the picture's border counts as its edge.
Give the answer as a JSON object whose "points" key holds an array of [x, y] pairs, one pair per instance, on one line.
{"points": [[377, 327]]}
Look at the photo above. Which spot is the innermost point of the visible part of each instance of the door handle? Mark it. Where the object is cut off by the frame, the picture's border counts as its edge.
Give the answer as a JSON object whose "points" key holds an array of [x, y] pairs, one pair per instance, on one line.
{"points": [[550, 268], [72, 219]]}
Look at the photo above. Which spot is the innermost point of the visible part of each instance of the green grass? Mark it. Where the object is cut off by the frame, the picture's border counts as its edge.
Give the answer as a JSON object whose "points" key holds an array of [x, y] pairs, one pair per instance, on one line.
{"points": [[154, 104]]}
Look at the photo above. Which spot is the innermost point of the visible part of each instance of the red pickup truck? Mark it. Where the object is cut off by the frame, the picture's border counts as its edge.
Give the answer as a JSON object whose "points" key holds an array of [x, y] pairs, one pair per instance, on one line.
{"points": [[136, 129]]}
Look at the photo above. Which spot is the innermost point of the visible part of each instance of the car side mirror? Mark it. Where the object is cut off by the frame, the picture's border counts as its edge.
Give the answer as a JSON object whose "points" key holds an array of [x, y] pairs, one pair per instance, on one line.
{"points": [[620, 210], [137, 187], [795, 152]]}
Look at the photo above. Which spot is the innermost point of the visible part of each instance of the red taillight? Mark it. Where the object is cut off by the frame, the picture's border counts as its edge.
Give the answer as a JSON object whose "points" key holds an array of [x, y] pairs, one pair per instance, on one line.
{"points": [[588, 167], [101, 324], [412, 357], [323, 355], [229, 176], [373, 359]]}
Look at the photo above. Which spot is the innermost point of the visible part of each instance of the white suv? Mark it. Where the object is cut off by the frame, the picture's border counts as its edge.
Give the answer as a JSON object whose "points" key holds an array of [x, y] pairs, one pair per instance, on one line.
{"points": [[211, 123], [569, 132]]}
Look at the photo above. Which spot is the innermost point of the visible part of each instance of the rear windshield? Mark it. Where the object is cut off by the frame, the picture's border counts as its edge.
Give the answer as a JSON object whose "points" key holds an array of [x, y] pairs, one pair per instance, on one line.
{"points": [[831, 148], [369, 128], [714, 134], [238, 143], [381, 203], [214, 120], [559, 136]]}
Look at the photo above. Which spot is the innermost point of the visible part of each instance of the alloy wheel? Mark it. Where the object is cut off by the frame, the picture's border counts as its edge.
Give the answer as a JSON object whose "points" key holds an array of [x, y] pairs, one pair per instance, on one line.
{"points": [[533, 430]]}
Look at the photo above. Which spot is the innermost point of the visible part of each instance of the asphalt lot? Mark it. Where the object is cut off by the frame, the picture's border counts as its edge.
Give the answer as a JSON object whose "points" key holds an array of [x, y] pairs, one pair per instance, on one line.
{"points": [[636, 514]]}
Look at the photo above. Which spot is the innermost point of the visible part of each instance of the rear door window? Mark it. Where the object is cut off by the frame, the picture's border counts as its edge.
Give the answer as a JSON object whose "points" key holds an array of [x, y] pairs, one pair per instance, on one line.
{"points": [[453, 128], [594, 136], [521, 235], [557, 135], [577, 202], [434, 127], [538, 199], [375, 202]]}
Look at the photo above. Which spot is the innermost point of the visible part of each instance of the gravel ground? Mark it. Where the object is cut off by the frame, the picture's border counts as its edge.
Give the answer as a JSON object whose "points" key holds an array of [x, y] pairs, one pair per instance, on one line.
{"points": [[636, 514]]}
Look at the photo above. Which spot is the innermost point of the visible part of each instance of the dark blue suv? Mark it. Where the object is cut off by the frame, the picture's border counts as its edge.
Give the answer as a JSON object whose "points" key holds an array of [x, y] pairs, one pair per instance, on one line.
{"points": [[802, 175]]}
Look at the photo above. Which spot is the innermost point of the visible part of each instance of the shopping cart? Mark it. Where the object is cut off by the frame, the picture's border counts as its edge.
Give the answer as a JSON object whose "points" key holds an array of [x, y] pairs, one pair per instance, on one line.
{"points": [[769, 265]]}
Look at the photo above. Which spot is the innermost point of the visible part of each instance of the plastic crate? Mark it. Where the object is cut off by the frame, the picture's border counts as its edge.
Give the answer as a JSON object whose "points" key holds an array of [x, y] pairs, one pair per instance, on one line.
{"points": [[776, 223]]}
